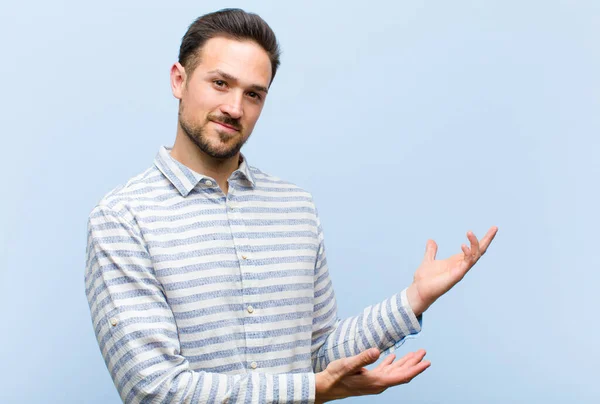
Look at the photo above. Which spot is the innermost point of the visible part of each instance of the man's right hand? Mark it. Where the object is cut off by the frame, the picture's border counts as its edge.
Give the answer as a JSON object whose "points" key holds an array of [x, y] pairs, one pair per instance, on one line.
{"points": [[348, 377]]}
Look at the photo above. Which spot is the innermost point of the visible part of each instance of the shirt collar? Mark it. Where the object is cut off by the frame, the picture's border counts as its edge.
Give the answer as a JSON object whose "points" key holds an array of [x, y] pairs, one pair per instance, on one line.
{"points": [[185, 179]]}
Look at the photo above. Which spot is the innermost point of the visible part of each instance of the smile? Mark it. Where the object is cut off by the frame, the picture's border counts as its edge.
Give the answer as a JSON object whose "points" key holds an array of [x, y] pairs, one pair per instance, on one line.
{"points": [[229, 128]]}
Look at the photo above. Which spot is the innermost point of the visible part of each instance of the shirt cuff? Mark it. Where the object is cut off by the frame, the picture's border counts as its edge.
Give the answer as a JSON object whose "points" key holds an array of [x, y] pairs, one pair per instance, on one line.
{"points": [[294, 388], [410, 325], [415, 321]]}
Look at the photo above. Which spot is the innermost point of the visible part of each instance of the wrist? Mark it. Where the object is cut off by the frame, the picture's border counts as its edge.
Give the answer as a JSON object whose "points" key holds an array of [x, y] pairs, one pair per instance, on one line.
{"points": [[324, 390], [415, 301], [320, 388]]}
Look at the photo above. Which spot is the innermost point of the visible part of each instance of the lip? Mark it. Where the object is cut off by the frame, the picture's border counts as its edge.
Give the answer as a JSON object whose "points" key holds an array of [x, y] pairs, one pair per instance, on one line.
{"points": [[231, 128]]}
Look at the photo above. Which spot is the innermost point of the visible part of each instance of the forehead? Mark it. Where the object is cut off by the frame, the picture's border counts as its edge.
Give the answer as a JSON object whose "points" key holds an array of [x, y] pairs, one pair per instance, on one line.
{"points": [[244, 59]]}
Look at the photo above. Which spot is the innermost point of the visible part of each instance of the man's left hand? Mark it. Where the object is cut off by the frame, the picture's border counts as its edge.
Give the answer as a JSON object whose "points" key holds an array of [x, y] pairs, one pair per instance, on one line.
{"points": [[435, 277]]}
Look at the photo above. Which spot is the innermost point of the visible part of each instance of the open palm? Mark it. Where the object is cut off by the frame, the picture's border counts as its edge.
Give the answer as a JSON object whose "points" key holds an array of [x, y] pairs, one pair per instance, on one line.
{"points": [[435, 277], [349, 377]]}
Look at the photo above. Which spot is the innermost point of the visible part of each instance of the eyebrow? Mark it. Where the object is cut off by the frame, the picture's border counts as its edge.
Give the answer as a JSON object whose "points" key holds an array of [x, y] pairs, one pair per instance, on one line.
{"points": [[229, 77]]}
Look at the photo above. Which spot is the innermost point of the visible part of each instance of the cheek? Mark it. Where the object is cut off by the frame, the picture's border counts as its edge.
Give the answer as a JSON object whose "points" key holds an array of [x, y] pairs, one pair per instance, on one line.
{"points": [[200, 101], [252, 114]]}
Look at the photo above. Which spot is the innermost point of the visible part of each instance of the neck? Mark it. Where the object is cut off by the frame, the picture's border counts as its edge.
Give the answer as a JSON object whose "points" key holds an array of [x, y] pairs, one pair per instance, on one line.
{"points": [[188, 154]]}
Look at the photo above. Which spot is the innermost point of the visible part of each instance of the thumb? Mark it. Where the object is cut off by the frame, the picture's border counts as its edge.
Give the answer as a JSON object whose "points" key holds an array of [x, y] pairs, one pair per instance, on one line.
{"points": [[356, 363], [430, 251]]}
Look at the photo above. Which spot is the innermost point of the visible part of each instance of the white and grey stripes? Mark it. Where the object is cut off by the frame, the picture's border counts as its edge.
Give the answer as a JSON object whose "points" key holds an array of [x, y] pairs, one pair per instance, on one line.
{"points": [[197, 296]]}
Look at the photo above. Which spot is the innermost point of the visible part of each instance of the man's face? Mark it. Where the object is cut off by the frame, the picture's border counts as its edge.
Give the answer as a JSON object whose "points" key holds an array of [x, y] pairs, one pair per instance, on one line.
{"points": [[222, 98]]}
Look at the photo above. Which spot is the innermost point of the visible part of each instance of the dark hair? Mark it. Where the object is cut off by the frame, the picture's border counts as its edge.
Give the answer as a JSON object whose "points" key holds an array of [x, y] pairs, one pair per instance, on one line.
{"points": [[231, 23]]}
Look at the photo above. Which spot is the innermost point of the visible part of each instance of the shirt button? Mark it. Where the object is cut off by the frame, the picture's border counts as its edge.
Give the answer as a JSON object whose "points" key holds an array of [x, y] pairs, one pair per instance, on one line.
{"points": [[209, 183], [253, 365], [250, 309], [244, 257], [113, 321]]}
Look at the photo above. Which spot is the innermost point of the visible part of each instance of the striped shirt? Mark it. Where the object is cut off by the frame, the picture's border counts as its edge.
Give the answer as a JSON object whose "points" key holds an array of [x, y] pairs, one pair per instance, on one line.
{"points": [[197, 296]]}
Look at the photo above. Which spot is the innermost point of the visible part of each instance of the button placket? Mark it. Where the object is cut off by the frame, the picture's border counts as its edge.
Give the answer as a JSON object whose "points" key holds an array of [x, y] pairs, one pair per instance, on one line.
{"points": [[234, 214]]}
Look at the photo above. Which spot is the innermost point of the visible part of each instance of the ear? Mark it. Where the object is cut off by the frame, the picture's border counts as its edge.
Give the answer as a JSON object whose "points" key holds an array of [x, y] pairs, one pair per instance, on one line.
{"points": [[178, 78]]}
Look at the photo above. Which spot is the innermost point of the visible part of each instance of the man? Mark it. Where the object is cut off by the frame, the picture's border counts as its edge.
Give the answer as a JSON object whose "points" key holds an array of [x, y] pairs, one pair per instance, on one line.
{"points": [[207, 279]]}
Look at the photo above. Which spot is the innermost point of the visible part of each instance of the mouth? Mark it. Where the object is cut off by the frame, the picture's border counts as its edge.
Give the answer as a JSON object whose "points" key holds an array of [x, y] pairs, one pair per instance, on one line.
{"points": [[228, 127]]}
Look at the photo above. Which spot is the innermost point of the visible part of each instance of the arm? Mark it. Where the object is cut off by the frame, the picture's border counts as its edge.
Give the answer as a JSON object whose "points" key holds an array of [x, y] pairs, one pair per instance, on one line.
{"points": [[137, 333], [383, 326], [347, 376]]}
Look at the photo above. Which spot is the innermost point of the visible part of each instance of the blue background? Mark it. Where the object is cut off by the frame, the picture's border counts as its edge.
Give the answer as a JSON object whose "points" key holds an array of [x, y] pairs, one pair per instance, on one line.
{"points": [[406, 120]]}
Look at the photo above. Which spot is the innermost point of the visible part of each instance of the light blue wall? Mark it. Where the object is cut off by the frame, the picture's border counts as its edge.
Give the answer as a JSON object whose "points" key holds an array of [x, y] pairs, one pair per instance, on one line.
{"points": [[406, 120]]}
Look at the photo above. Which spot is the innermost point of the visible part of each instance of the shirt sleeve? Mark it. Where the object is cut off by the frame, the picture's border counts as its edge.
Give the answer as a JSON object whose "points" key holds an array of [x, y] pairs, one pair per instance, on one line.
{"points": [[385, 325], [137, 333]]}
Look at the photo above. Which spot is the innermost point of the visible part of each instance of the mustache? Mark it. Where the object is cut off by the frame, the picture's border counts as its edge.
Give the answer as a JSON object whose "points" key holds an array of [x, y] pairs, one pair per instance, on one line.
{"points": [[227, 120]]}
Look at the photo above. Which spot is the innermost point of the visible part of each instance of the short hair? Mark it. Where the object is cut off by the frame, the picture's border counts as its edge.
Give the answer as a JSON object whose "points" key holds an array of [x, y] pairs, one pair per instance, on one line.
{"points": [[231, 23]]}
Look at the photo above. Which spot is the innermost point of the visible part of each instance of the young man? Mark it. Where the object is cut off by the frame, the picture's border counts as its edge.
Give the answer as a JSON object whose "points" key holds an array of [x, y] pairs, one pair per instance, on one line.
{"points": [[207, 279]]}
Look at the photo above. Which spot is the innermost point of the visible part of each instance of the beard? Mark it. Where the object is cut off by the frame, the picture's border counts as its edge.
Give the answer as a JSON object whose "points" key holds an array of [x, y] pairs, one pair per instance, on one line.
{"points": [[197, 133]]}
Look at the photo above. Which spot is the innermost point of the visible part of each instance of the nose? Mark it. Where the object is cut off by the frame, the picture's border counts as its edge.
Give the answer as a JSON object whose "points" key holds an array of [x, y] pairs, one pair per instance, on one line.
{"points": [[233, 106]]}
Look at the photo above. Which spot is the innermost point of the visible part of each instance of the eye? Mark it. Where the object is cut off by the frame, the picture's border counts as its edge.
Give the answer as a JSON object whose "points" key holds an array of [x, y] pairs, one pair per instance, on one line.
{"points": [[220, 83], [254, 95]]}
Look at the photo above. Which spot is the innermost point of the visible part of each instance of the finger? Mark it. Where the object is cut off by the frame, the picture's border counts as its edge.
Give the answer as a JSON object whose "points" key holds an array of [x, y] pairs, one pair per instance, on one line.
{"points": [[388, 360], [430, 251], [432, 245], [403, 360], [487, 239], [408, 357], [405, 375], [355, 363], [466, 250], [474, 245], [418, 357], [417, 370]]}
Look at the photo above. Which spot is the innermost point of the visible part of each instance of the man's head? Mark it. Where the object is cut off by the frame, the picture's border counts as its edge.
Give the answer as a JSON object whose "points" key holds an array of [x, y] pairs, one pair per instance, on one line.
{"points": [[227, 61]]}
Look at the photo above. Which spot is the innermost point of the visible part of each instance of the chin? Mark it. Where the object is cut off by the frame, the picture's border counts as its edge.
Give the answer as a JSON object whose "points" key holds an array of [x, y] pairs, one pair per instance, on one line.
{"points": [[220, 150]]}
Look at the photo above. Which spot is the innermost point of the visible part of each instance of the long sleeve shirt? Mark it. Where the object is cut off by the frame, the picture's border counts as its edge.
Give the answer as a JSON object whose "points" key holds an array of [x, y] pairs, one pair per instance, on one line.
{"points": [[197, 296]]}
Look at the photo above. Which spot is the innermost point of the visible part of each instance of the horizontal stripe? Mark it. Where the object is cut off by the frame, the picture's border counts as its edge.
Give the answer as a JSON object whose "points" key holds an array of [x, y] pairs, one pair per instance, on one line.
{"points": [[189, 289]]}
